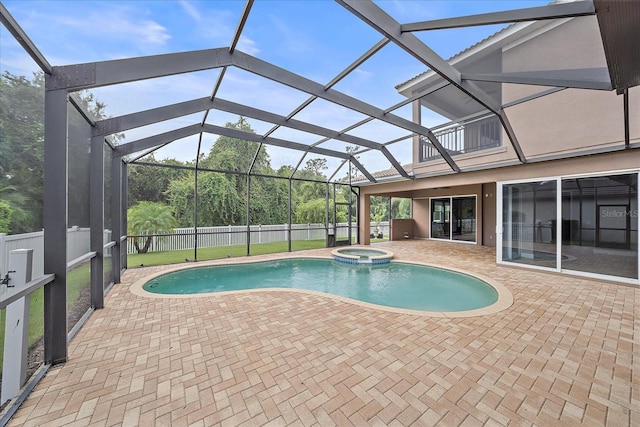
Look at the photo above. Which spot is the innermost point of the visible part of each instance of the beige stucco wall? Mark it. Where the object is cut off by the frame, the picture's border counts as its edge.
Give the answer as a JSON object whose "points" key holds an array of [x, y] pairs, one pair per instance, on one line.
{"points": [[422, 211], [421, 218], [562, 123], [571, 122], [482, 184], [488, 214], [619, 160], [573, 119], [401, 228]]}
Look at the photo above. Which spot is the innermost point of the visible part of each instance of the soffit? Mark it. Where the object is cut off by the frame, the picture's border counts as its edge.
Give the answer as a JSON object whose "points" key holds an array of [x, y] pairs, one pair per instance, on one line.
{"points": [[619, 22]]}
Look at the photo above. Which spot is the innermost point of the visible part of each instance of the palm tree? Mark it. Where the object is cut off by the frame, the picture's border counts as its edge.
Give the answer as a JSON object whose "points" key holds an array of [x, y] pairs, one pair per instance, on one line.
{"points": [[147, 219]]}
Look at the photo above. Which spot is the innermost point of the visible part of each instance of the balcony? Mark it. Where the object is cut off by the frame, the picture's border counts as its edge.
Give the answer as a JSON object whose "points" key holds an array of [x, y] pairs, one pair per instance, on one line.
{"points": [[463, 138]]}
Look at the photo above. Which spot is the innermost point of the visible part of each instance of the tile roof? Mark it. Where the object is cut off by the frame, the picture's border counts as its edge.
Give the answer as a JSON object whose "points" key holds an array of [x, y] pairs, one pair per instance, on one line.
{"points": [[473, 46], [386, 173], [459, 54]]}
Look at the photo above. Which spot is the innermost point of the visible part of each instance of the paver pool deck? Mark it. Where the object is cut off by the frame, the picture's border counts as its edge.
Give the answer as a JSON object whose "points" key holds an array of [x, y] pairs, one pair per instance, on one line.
{"points": [[566, 352]]}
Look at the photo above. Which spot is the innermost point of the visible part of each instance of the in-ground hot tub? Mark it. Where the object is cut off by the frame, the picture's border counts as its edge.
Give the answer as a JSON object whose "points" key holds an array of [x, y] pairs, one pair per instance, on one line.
{"points": [[362, 255]]}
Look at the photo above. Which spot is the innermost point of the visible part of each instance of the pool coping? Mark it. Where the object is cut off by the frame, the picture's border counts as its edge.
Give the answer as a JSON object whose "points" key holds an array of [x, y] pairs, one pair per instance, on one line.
{"points": [[505, 297], [384, 256]]}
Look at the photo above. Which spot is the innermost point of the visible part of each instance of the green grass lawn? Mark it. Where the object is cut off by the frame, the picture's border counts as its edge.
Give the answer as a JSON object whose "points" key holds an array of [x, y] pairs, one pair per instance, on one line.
{"points": [[175, 257], [36, 320]]}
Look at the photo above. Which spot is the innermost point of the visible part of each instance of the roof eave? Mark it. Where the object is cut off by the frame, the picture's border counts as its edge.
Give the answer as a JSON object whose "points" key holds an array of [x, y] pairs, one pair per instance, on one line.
{"points": [[481, 49]]}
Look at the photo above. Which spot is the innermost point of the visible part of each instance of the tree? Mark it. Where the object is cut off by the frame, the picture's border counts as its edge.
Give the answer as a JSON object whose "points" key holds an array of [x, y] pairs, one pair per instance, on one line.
{"points": [[232, 154], [285, 171], [151, 183], [16, 209], [379, 209], [311, 211], [317, 166], [147, 219], [308, 196], [6, 212], [22, 149], [400, 208], [353, 171], [269, 200], [218, 201]]}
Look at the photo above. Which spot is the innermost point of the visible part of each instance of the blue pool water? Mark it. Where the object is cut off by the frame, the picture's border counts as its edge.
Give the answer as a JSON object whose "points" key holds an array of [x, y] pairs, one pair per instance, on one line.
{"points": [[399, 285]]}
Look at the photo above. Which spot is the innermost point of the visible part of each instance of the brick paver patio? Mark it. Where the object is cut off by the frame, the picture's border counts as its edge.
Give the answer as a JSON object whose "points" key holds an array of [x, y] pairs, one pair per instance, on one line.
{"points": [[567, 352]]}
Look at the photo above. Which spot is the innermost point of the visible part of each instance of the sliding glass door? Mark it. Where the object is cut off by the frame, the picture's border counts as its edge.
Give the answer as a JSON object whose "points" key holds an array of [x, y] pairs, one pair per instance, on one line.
{"points": [[585, 225], [528, 223], [454, 218], [440, 218], [600, 225], [463, 219]]}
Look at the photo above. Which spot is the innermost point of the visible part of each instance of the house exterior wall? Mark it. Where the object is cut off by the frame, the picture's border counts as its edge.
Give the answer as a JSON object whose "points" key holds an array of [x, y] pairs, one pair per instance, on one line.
{"points": [[572, 119], [559, 124], [482, 183], [488, 214], [401, 229], [422, 210], [572, 135], [421, 218]]}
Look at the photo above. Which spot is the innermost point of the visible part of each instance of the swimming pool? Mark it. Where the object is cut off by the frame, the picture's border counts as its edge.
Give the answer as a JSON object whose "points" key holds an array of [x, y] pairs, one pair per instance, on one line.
{"points": [[396, 285]]}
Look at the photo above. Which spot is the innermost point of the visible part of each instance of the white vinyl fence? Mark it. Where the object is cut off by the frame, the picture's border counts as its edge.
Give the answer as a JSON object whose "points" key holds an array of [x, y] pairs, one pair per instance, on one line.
{"points": [[228, 235], [78, 244], [78, 239]]}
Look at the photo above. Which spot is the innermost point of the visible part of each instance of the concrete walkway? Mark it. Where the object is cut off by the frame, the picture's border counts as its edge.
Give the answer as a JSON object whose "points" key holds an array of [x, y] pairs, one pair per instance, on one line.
{"points": [[567, 352]]}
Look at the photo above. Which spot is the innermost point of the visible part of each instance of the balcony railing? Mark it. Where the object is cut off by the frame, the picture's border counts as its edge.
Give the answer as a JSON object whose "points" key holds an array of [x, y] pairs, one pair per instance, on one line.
{"points": [[465, 138]]}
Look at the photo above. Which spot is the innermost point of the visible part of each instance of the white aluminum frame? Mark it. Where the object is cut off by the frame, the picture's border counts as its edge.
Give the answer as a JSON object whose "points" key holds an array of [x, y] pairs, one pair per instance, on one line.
{"points": [[558, 268], [450, 239]]}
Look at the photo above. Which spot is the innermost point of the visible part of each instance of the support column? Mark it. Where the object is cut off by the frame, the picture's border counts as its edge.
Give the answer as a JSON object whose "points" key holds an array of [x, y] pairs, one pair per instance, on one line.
{"points": [[416, 117], [56, 167], [124, 205], [195, 209], [290, 216], [365, 215], [96, 211], [248, 214], [116, 215], [358, 217], [326, 219]]}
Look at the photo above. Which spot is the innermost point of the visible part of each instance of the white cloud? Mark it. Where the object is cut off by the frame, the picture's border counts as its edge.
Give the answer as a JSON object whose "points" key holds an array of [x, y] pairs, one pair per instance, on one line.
{"points": [[117, 25], [191, 10], [248, 46], [215, 26], [93, 32]]}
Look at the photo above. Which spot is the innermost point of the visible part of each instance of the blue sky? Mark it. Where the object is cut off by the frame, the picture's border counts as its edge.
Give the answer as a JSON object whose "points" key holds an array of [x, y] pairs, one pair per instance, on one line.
{"points": [[316, 39]]}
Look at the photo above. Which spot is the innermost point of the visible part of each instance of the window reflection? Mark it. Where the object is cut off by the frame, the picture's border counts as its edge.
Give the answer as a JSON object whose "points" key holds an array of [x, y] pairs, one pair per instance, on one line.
{"points": [[600, 225], [529, 224]]}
